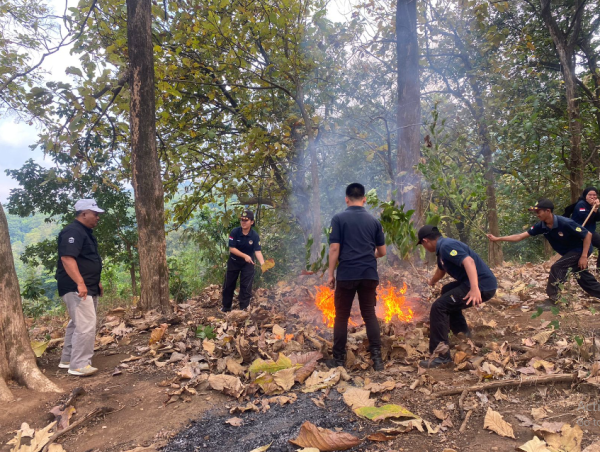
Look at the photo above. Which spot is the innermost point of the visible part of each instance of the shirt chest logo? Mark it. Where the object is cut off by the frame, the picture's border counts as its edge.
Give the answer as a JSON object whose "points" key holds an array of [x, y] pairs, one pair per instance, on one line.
{"points": [[560, 234], [250, 242], [71, 239]]}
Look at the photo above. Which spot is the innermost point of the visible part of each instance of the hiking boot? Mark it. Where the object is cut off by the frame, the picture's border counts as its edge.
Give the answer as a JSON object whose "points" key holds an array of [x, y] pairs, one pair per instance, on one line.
{"points": [[336, 362], [465, 335], [546, 305], [377, 361], [84, 371], [225, 310], [63, 365], [440, 361]]}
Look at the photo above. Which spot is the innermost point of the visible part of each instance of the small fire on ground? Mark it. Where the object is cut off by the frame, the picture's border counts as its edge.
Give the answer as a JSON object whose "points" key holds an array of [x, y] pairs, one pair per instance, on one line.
{"points": [[391, 304]]}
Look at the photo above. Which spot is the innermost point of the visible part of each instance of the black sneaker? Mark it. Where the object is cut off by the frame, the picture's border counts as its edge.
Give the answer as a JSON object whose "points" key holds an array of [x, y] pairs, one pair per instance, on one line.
{"points": [[225, 310], [546, 305], [440, 361], [335, 362], [378, 365]]}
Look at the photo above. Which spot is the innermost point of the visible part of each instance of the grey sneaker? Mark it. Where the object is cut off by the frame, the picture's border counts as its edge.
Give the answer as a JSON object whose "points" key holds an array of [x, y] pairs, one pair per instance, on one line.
{"points": [[83, 372], [63, 365], [440, 361]]}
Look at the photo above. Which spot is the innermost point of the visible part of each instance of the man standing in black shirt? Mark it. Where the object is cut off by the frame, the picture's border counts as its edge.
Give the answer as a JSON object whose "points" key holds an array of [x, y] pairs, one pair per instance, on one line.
{"points": [[244, 244], [78, 280], [475, 283], [356, 241]]}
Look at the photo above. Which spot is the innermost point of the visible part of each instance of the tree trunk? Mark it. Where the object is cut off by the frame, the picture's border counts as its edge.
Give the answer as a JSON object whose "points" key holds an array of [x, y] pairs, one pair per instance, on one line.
{"points": [[17, 360], [145, 165], [315, 251], [408, 183], [565, 48], [134, 290]]}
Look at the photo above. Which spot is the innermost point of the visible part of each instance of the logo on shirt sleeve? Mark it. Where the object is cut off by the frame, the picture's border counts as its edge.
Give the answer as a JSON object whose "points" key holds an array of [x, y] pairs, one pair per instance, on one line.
{"points": [[230, 238], [71, 239], [578, 229], [453, 253], [582, 209]]}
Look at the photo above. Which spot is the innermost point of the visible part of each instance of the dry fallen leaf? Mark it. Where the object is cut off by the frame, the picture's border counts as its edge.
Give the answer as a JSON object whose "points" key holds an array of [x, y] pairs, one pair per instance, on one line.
{"points": [[285, 378], [534, 445], [568, 440], [227, 384], [269, 264], [543, 336], [278, 331], [383, 412], [39, 440], [593, 447], [39, 347], [323, 439], [494, 422], [55, 448], [308, 361], [357, 398], [62, 417], [261, 448], [158, 333], [381, 387], [539, 413], [235, 421]]}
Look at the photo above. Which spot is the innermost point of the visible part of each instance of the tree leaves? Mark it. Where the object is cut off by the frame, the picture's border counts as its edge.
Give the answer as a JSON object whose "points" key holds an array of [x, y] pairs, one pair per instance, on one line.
{"points": [[493, 421], [384, 412]]}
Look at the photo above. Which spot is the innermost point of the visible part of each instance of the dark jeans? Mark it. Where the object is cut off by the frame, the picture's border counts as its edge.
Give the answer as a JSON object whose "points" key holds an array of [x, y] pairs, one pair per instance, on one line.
{"points": [[234, 269], [447, 312], [367, 299], [559, 271]]}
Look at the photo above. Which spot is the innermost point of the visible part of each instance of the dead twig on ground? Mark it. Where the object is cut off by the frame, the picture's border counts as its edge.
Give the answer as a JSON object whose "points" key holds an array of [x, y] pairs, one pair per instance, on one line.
{"points": [[87, 417], [463, 426], [526, 381]]}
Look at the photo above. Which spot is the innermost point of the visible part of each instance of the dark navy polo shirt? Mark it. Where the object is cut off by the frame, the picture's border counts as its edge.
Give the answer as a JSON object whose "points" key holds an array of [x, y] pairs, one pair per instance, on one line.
{"points": [[358, 234], [77, 241], [582, 210], [565, 235], [450, 256], [247, 244]]}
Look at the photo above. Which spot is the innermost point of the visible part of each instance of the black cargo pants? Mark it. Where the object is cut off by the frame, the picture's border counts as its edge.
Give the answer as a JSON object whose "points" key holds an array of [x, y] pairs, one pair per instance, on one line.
{"points": [[237, 266]]}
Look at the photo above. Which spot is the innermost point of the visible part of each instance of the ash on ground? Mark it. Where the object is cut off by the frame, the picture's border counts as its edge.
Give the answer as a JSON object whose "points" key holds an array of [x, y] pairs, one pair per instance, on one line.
{"points": [[276, 427]]}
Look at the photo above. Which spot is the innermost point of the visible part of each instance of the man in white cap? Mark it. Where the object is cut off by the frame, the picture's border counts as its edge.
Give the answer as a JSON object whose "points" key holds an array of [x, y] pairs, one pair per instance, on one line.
{"points": [[78, 280]]}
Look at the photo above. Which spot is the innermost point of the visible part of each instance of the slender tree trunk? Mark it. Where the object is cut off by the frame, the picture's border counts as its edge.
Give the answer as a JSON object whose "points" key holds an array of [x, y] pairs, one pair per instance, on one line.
{"points": [[408, 183], [17, 360], [316, 248], [565, 48], [131, 269], [147, 183]]}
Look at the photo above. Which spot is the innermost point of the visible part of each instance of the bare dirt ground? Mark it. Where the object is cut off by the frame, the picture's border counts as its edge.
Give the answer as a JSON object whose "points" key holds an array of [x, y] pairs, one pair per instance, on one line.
{"points": [[163, 396]]}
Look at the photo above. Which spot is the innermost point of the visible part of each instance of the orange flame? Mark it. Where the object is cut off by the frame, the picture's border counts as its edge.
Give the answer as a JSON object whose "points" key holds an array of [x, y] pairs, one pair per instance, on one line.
{"points": [[394, 303], [325, 302], [390, 300]]}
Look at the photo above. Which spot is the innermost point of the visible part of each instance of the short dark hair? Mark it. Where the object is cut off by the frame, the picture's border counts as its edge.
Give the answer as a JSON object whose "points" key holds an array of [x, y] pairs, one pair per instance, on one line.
{"points": [[434, 235], [78, 213], [355, 191]]}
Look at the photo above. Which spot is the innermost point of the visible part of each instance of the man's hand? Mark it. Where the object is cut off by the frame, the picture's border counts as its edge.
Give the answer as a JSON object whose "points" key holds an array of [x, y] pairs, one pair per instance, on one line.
{"points": [[473, 296], [248, 259], [82, 290], [596, 203], [493, 238], [101, 289], [583, 262], [331, 281]]}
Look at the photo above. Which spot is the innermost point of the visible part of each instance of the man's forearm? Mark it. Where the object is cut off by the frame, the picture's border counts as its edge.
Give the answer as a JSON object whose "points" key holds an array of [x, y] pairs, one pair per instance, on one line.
{"points": [[511, 238], [72, 269], [439, 274], [237, 252], [260, 257], [334, 254], [471, 270], [586, 244]]}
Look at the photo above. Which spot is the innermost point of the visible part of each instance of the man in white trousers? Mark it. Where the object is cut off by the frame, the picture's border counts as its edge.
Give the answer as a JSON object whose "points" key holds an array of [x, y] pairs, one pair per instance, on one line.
{"points": [[78, 280]]}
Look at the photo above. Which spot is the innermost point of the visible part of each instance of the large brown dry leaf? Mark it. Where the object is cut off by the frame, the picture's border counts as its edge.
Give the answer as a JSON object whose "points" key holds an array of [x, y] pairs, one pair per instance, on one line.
{"points": [[539, 413], [322, 380], [235, 421], [267, 384], [357, 398], [308, 361], [39, 347], [568, 440], [383, 412], [269, 264], [158, 333], [593, 447], [55, 448], [534, 445], [37, 443], [227, 384], [285, 378], [494, 422], [323, 439], [278, 331], [270, 366], [543, 336], [208, 346], [234, 367], [262, 448]]}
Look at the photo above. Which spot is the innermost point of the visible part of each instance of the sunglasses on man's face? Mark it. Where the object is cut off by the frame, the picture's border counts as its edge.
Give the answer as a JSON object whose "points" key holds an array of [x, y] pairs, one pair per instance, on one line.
{"points": [[244, 219]]}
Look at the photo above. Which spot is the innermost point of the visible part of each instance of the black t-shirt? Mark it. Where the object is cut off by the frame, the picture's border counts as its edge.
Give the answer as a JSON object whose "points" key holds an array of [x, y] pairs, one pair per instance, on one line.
{"points": [[564, 236], [581, 212], [358, 234], [77, 241], [247, 244], [450, 256]]}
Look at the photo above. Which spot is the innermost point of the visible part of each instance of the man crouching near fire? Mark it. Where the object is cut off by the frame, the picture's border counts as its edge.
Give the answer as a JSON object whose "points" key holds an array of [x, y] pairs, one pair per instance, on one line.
{"points": [[474, 284], [356, 242]]}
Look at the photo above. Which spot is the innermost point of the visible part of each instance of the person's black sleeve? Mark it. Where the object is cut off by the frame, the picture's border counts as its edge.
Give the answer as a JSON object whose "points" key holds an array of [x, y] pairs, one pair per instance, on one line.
{"points": [[70, 243]]}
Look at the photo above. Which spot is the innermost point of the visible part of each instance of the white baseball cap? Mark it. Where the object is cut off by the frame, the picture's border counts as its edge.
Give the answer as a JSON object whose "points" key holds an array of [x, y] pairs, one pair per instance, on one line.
{"points": [[87, 204]]}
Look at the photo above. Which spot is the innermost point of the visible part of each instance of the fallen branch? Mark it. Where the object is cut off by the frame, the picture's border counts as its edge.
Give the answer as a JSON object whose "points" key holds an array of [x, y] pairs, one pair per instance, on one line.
{"points": [[463, 426], [87, 417], [525, 381]]}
